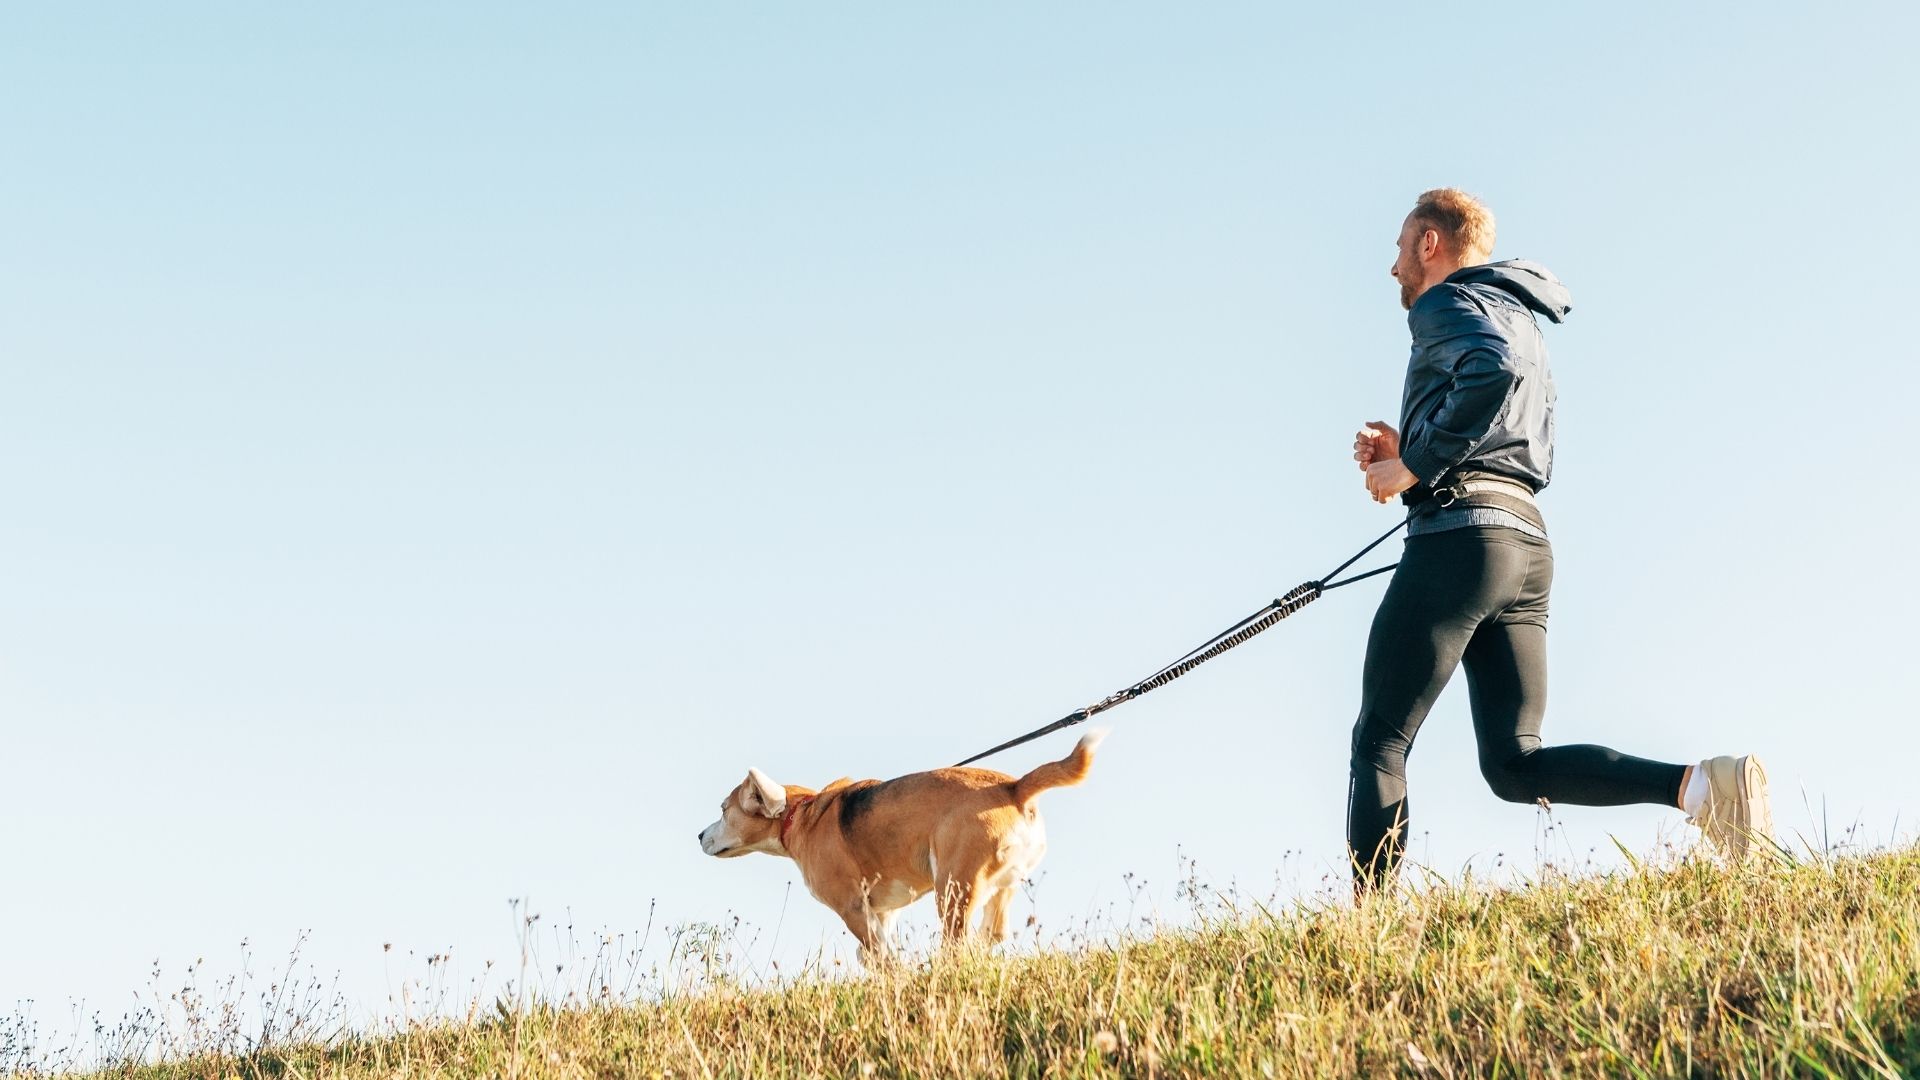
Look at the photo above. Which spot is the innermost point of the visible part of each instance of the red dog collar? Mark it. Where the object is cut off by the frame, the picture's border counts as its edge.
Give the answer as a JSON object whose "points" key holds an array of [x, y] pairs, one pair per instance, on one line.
{"points": [[786, 820]]}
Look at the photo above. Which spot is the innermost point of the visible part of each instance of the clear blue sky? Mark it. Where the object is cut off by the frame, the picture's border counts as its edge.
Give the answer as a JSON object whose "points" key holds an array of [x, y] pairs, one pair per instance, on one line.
{"points": [[445, 445]]}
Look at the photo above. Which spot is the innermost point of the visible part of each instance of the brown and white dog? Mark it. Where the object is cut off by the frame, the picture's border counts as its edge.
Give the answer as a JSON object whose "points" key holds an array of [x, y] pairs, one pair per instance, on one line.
{"points": [[868, 848]]}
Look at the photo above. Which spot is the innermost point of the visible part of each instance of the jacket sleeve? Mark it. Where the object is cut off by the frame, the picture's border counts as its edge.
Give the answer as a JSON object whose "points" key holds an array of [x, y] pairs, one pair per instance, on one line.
{"points": [[1482, 378]]}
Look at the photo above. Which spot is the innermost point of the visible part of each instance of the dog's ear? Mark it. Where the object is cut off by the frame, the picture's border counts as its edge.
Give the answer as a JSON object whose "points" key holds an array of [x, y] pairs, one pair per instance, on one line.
{"points": [[765, 797]]}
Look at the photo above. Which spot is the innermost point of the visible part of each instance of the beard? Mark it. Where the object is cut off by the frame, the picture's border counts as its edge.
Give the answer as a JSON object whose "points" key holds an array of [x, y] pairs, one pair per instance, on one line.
{"points": [[1410, 286]]}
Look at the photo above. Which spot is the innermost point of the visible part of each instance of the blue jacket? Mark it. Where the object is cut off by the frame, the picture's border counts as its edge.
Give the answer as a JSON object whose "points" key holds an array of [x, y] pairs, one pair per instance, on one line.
{"points": [[1479, 395]]}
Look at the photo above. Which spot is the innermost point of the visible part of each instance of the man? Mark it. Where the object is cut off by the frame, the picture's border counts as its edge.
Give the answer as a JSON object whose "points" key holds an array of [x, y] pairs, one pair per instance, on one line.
{"points": [[1475, 445]]}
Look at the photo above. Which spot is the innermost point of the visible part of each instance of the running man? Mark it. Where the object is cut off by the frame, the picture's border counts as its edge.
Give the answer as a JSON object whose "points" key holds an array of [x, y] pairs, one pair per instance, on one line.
{"points": [[1475, 445]]}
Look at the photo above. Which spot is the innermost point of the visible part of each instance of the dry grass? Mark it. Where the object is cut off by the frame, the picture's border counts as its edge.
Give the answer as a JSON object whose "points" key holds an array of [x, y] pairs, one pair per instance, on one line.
{"points": [[1680, 970]]}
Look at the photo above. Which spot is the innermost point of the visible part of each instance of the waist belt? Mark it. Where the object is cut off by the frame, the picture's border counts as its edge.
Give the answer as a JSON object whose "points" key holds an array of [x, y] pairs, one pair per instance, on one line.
{"points": [[1484, 490]]}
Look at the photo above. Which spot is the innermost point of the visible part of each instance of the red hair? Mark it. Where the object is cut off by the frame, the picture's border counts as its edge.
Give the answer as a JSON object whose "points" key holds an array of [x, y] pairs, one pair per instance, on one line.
{"points": [[1464, 223]]}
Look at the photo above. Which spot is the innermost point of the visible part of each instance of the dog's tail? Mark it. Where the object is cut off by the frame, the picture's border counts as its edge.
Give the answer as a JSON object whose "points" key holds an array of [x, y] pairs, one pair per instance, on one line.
{"points": [[1066, 772]]}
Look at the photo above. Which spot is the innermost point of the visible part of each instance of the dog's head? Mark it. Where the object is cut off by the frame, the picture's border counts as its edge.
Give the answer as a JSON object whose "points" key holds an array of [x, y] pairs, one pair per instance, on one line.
{"points": [[749, 819]]}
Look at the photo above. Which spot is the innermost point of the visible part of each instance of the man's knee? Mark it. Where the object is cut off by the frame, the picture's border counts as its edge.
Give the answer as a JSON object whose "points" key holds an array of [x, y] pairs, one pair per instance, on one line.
{"points": [[1508, 780], [1378, 745]]}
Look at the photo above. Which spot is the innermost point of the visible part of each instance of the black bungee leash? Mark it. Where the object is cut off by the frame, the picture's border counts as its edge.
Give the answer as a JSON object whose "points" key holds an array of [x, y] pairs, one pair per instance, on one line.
{"points": [[1239, 633]]}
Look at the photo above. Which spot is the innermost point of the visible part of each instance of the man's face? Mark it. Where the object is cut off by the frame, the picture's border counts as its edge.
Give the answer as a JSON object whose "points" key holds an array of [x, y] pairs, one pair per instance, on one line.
{"points": [[1407, 268]]}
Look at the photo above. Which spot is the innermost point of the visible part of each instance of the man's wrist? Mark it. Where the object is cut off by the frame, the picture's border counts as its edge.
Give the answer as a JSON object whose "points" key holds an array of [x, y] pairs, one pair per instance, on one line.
{"points": [[1425, 467]]}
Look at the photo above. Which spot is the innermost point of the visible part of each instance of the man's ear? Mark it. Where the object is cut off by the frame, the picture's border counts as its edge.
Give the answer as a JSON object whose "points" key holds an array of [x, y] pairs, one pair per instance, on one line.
{"points": [[771, 796], [1428, 245]]}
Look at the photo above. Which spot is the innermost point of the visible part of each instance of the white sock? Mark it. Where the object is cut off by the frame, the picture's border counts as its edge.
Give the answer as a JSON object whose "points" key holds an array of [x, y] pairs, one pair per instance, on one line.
{"points": [[1694, 799]]}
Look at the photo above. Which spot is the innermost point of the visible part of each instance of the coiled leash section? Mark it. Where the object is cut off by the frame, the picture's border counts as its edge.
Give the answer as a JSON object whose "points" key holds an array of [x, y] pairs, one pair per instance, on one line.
{"points": [[1237, 634]]}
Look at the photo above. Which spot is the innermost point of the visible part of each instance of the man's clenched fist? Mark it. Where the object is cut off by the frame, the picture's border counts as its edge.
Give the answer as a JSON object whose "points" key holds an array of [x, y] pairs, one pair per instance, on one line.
{"points": [[1385, 479], [1377, 448], [1377, 441]]}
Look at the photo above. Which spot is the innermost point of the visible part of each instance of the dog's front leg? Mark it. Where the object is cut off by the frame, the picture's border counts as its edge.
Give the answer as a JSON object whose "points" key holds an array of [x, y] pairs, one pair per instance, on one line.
{"points": [[873, 929]]}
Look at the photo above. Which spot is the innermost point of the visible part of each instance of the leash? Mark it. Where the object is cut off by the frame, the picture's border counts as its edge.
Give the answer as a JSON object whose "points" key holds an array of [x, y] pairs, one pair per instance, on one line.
{"points": [[1237, 634]]}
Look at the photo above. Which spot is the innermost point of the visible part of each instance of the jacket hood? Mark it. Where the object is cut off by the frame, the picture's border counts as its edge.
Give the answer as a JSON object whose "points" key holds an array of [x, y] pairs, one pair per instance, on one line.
{"points": [[1527, 281]]}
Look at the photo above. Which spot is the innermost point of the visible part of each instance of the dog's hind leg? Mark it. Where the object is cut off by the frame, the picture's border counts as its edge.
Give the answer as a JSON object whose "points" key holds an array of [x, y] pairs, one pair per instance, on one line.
{"points": [[993, 915], [1014, 858], [957, 898]]}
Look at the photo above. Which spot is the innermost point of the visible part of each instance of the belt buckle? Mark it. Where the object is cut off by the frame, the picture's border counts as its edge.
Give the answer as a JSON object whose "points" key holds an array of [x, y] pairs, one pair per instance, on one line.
{"points": [[1445, 497]]}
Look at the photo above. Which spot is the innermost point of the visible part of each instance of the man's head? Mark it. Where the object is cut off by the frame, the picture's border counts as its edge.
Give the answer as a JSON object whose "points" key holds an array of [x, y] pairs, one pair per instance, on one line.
{"points": [[1448, 229]]}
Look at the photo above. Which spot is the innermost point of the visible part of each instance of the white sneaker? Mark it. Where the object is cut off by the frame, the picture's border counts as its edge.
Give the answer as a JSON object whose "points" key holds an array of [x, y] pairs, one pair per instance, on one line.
{"points": [[1737, 814]]}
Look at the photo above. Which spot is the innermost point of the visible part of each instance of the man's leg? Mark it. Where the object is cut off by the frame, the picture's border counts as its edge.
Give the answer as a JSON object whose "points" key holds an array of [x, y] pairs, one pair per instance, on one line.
{"points": [[1506, 664], [1447, 583]]}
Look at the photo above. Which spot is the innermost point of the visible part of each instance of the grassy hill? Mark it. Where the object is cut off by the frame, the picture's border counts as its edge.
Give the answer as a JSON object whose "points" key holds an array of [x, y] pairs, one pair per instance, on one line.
{"points": [[1689, 970]]}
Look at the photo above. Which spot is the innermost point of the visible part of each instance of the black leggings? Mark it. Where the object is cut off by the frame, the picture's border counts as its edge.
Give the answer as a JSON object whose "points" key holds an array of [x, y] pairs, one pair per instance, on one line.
{"points": [[1476, 595]]}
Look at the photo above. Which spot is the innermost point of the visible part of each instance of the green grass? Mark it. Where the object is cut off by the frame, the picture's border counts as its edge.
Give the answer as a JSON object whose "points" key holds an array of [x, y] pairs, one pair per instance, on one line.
{"points": [[1684, 970]]}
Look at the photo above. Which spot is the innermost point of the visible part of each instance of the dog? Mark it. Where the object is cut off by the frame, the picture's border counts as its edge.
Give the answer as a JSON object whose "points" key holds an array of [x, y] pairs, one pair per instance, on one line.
{"points": [[868, 848]]}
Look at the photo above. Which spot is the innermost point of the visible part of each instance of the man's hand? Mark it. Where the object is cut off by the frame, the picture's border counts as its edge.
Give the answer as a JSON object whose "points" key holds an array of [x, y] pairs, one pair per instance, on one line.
{"points": [[1385, 479], [1376, 442]]}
